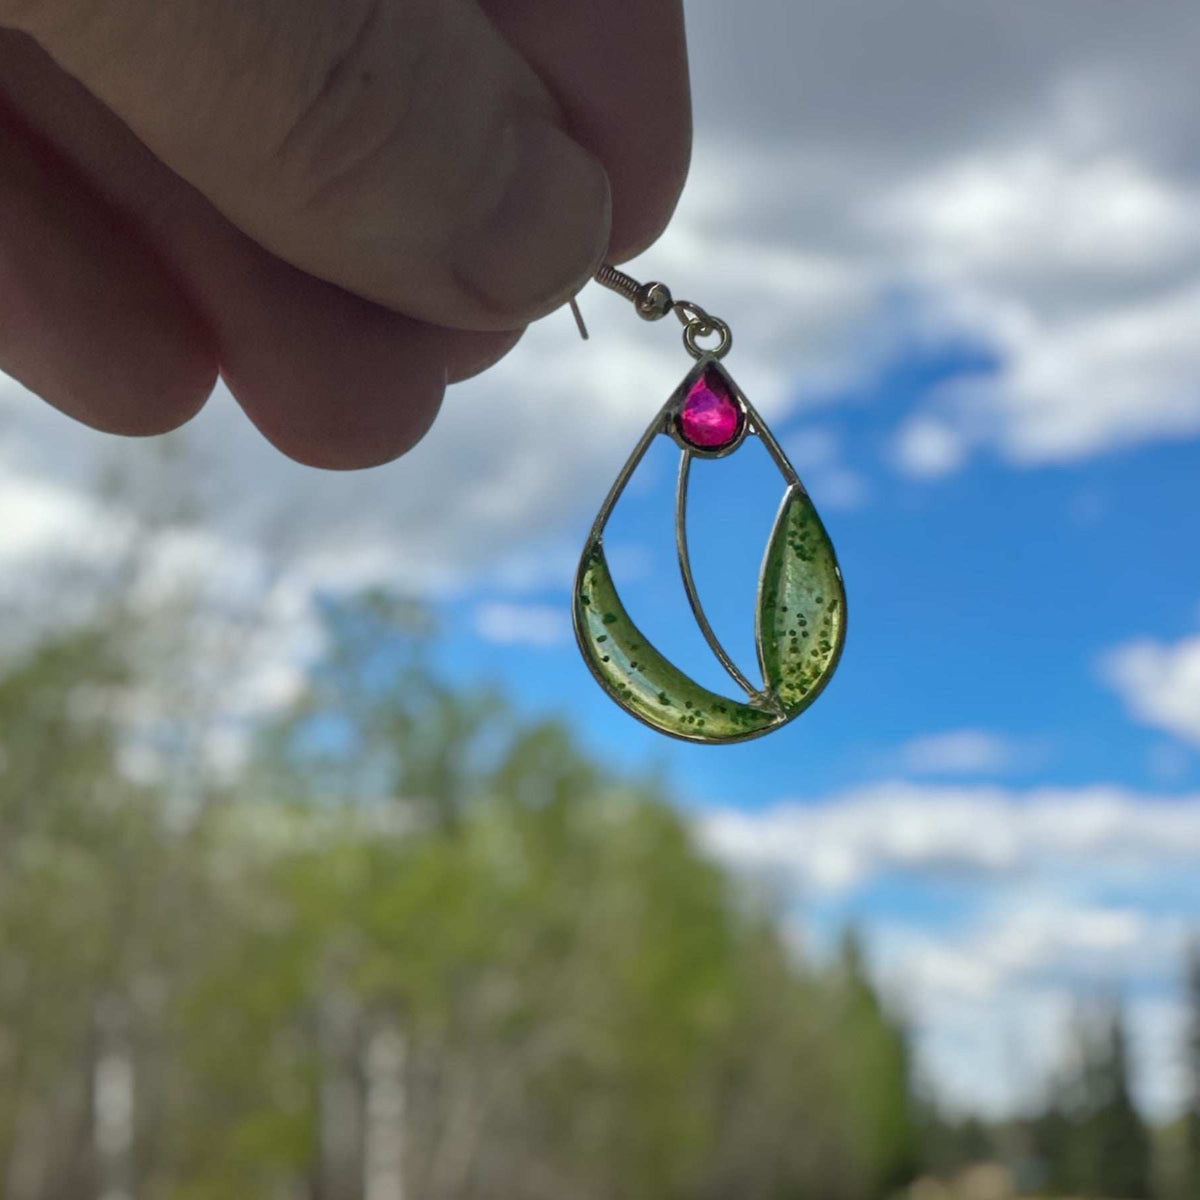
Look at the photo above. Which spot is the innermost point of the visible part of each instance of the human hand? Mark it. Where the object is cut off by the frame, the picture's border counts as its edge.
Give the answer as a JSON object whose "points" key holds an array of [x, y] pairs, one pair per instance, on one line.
{"points": [[342, 204]]}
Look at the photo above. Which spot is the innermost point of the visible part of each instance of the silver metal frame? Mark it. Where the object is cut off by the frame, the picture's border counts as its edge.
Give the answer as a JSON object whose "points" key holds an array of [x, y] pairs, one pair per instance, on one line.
{"points": [[665, 423]]}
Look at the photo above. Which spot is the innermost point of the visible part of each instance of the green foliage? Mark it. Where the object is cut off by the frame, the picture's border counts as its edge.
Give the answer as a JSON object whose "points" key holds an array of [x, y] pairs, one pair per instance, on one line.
{"points": [[587, 1006], [1091, 1137], [1112, 1146], [950, 1144], [876, 1077], [1179, 1143]]}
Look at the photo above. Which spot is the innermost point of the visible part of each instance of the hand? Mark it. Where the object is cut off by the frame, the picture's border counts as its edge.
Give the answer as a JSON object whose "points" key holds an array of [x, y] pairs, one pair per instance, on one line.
{"points": [[341, 204]]}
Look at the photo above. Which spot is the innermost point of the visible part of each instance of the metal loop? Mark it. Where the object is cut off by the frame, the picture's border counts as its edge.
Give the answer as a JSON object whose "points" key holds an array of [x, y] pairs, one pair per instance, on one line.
{"points": [[653, 301], [706, 327], [692, 314]]}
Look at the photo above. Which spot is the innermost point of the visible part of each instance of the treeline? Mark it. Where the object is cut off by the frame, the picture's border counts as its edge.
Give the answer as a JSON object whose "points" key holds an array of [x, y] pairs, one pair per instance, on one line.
{"points": [[1089, 1139], [412, 949]]}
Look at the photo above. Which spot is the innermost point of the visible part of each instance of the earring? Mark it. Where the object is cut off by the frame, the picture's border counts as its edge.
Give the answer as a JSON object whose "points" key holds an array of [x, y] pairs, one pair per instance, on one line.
{"points": [[800, 624]]}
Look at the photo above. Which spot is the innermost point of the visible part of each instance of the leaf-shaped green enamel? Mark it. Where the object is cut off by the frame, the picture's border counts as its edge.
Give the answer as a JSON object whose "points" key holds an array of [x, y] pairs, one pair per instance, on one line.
{"points": [[802, 606], [640, 679]]}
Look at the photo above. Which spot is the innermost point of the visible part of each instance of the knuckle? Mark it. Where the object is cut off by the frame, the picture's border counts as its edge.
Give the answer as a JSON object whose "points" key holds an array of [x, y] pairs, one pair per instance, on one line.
{"points": [[51, 22], [360, 97], [19, 14]]}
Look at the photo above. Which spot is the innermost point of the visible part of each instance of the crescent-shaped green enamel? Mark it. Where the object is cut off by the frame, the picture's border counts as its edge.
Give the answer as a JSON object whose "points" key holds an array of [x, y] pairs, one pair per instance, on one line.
{"points": [[801, 606], [641, 680]]}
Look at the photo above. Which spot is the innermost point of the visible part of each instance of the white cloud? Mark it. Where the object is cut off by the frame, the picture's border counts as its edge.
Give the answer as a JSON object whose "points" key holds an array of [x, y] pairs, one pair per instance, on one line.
{"points": [[42, 519], [1042, 941], [960, 752], [1044, 900], [1082, 273], [1052, 217], [1048, 212], [927, 447], [993, 1002], [958, 831], [1160, 684], [508, 624], [1035, 210]]}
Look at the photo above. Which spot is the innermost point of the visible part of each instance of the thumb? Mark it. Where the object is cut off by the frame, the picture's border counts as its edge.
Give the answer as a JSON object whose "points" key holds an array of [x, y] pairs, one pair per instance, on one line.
{"points": [[399, 148]]}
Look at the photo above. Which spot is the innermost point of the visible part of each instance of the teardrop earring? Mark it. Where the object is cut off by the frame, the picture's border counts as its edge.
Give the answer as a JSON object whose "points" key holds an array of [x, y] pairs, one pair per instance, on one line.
{"points": [[800, 623]]}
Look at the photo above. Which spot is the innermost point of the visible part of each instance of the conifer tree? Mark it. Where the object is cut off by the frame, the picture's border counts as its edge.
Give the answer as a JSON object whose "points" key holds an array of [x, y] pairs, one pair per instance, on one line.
{"points": [[1109, 1151], [1191, 1165]]}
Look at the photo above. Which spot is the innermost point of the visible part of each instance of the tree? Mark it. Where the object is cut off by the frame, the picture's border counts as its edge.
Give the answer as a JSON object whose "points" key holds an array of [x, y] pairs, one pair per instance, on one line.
{"points": [[1107, 1150], [949, 1144], [878, 1074], [1190, 1182], [412, 906]]}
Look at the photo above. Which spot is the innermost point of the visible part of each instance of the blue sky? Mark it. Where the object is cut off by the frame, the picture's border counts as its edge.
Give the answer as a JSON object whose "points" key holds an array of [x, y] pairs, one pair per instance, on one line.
{"points": [[985, 600], [959, 247], [987, 608]]}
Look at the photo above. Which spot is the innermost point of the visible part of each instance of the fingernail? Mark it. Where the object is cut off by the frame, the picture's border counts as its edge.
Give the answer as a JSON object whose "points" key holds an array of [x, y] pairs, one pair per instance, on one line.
{"points": [[547, 229]]}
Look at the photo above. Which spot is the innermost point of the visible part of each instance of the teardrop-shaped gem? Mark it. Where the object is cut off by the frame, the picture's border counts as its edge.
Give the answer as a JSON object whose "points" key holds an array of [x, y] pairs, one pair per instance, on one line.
{"points": [[801, 618], [710, 418]]}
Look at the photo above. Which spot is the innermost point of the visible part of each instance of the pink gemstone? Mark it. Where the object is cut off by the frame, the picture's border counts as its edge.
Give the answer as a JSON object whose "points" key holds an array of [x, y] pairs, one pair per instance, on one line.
{"points": [[710, 417]]}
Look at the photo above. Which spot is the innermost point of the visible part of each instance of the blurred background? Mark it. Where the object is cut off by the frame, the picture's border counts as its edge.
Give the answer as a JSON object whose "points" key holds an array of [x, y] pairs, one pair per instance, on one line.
{"points": [[327, 873]]}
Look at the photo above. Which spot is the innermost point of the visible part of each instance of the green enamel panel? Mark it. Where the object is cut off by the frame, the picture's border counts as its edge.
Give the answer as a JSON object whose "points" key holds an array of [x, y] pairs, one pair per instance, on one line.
{"points": [[640, 679], [802, 606]]}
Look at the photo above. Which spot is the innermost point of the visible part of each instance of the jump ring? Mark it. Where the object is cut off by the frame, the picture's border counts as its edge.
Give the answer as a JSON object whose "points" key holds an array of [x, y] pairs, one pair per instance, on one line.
{"points": [[704, 328]]}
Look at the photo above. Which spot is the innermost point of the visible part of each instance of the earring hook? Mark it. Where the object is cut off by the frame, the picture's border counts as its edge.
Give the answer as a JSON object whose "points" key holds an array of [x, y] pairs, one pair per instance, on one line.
{"points": [[583, 333], [652, 302]]}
